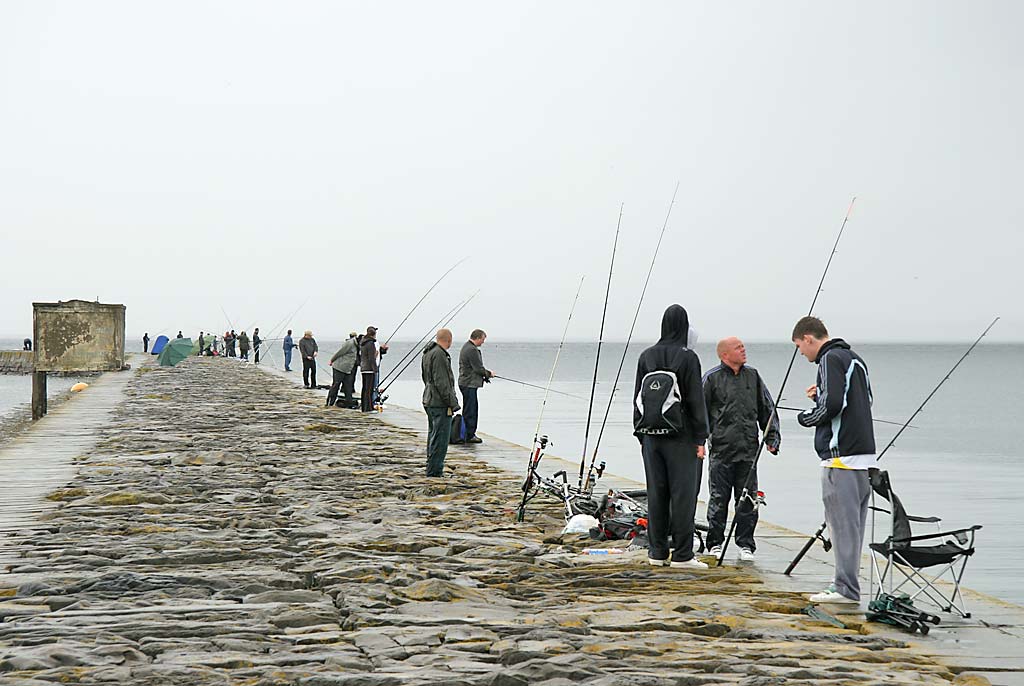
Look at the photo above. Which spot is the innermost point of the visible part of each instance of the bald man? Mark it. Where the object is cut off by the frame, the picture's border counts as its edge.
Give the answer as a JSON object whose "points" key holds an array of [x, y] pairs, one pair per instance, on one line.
{"points": [[439, 400], [738, 405]]}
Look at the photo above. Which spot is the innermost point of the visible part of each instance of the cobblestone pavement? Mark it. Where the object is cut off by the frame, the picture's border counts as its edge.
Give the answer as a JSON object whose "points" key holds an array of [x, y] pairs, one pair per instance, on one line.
{"points": [[227, 529]]}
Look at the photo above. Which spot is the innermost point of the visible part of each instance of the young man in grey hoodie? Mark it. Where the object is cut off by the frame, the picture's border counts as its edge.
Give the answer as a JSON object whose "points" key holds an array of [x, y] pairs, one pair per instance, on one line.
{"points": [[439, 399]]}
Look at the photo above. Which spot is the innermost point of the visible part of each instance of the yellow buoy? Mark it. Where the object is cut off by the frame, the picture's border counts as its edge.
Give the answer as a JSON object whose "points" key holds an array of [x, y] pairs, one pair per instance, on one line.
{"points": [[79, 387]]}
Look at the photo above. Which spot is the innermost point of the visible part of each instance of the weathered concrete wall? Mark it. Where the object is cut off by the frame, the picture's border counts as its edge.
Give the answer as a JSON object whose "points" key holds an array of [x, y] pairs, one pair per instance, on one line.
{"points": [[15, 362], [78, 336]]}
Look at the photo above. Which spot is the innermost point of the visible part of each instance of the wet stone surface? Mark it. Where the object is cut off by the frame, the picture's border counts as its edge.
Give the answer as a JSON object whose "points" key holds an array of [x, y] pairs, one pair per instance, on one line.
{"points": [[228, 529]]}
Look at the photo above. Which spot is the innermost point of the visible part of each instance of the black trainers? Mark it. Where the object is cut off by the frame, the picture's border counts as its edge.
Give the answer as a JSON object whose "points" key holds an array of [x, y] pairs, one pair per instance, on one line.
{"points": [[474, 439]]}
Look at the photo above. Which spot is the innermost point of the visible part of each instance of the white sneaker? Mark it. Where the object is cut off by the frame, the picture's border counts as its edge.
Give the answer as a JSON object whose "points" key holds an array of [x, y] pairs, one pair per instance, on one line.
{"points": [[831, 596], [657, 563], [716, 551], [692, 563], [746, 555]]}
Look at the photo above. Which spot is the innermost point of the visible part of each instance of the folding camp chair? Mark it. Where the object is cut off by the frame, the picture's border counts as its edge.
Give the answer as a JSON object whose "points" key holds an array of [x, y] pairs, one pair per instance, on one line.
{"points": [[915, 557]]}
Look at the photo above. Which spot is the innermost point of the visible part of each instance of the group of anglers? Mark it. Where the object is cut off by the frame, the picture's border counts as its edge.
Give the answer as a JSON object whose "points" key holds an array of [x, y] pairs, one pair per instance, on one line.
{"points": [[228, 345], [719, 417]]}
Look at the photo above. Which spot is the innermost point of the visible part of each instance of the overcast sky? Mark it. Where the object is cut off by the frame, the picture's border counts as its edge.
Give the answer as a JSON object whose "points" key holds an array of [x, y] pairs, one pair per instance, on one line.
{"points": [[196, 159]]}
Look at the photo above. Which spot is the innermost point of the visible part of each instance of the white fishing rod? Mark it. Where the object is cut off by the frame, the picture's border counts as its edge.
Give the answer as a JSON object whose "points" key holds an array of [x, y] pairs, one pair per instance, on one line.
{"points": [[540, 442]]}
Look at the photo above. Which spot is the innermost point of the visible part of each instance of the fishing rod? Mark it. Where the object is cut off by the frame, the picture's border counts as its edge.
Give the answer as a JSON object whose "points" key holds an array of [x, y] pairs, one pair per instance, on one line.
{"points": [[418, 302], [600, 342], [415, 348], [819, 534], [540, 442], [877, 421], [775, 412], [625, 350], [543, 388], [275, 332], [413, 358]]}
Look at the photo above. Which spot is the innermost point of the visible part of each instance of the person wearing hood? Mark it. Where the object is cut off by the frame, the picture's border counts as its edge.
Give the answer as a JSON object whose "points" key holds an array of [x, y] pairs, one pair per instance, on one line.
{"points": [[145, 342], [243, 346], [342, 365], [670, 421], [369, 362], [439, 400], [738, 406], [307, 351], [844, 439]]}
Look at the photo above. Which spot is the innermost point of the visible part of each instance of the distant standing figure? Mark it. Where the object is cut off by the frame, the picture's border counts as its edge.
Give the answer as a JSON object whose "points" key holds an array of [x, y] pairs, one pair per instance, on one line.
{"points": [[243, 346], [472, 377], [145, 342], [439, 400], [288, 346], [369, 362], [215, 345], [308, 350], [342, 364], [256, 340], [179, 335], [670, 421], [232, 340], [202, 344], [27, 344]]}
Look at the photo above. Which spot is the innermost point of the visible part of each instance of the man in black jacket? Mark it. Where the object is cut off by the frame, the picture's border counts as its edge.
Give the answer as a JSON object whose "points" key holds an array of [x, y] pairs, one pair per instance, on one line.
{"points": [[439, 401], [738, 404], [671, 455], [369, 361], [472, 377], [845, 442]]}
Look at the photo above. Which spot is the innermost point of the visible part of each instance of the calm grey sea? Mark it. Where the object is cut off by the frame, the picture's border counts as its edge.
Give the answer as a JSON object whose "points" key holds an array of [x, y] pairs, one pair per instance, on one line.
{"points": [[961, 461]]}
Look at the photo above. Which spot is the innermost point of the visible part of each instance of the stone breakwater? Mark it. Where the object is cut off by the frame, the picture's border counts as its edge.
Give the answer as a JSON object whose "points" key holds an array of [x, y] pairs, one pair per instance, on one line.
{"points": [[227, 529]]}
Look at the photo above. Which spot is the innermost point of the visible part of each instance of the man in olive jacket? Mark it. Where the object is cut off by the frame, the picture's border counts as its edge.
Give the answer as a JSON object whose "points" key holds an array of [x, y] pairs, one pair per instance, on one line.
{"points": [[439, 399], [472, 376]]}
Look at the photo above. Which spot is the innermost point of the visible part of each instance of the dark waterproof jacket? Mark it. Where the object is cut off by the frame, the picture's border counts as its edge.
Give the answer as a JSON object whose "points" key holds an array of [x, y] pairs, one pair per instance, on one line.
{"points": [[243, 342], [842, 414], [308, 346], [256, 340], [671, 354], [368, 355], [438, 380], [738, 404], [472, 373]]}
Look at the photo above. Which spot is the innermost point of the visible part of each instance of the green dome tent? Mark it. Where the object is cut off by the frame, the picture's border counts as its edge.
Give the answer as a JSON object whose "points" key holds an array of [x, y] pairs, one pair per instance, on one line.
{"points": [[174, 352]]}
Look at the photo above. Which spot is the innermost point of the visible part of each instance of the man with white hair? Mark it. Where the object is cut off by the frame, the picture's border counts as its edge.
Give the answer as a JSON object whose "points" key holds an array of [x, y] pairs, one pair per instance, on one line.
{"points": [[439, 400]]}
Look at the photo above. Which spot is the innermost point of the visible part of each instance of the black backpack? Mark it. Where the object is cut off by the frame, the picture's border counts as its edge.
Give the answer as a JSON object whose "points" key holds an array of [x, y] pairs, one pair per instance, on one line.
{"points": [[458, 430], [660, 402]]}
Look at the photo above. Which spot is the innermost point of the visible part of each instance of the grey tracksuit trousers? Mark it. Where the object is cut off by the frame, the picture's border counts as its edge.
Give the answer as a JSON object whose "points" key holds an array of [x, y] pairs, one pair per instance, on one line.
{"points": [[846, 494]]}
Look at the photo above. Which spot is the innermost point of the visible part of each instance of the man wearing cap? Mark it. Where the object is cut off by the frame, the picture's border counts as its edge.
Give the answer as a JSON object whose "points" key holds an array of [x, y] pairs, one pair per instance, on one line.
{"points": [[342, 366], [369, 362], [308, 350]]}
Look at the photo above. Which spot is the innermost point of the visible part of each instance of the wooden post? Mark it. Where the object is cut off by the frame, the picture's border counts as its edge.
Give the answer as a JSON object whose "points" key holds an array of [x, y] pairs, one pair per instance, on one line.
{"points": [[38, 395]]}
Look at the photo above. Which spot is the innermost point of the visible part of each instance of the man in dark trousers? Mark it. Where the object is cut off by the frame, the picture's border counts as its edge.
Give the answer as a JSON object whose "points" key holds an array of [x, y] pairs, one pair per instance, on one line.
{"points": [[845, 442], [145, 342], [342, 366], [472, 377], [738, 404], [202, 341], [439, 399], [670, 421], [307, 351], [369, 362], [243, 346], [256, 341]]}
